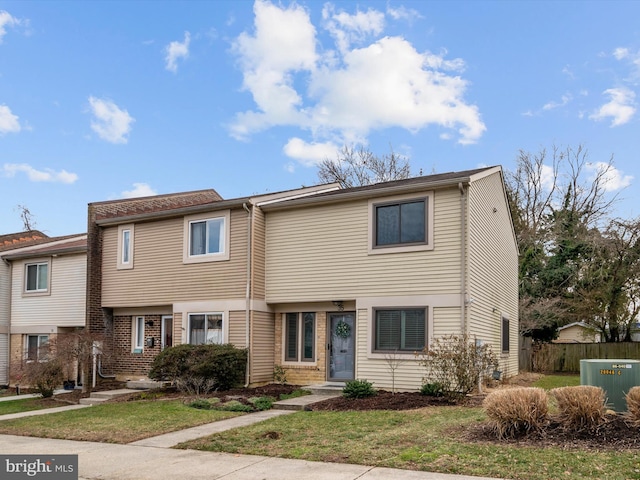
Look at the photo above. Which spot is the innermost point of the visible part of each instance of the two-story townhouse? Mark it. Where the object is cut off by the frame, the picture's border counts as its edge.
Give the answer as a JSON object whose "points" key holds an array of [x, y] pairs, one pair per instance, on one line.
{"points": [[46, 295], [362, 277], [180, 268], [9, 242], [327, 283]]}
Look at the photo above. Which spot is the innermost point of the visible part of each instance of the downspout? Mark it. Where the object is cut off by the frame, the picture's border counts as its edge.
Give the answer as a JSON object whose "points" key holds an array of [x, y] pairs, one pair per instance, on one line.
{"points": [[463, 259], [248, 296]]}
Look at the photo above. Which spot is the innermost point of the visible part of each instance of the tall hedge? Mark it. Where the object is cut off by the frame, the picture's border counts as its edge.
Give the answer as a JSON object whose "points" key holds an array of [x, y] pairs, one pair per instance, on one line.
{"points": [[224, 364]]}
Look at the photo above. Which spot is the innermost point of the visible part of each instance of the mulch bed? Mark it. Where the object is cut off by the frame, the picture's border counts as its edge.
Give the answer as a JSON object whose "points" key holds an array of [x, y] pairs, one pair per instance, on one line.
{"points": [[384, 401]]}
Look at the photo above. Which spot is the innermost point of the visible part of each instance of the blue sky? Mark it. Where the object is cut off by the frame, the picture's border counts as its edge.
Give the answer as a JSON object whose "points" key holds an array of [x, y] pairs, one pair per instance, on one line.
{"points": [[105, 100]]}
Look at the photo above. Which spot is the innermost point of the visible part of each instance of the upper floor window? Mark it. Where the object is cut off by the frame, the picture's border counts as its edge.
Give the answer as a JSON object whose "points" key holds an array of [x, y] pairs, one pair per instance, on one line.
{"points": [[205, 328], [402, 223], [402, 330], [37, 277], [125, 246], [206, 237]]}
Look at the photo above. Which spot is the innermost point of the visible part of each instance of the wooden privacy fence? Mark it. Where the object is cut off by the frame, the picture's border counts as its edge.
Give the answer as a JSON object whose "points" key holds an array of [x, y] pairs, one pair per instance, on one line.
{"points": [[565, 357]]}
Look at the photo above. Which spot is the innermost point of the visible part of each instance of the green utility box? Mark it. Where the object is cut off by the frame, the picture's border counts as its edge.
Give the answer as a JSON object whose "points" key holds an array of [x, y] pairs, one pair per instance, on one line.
{"points": [[614, 376]]}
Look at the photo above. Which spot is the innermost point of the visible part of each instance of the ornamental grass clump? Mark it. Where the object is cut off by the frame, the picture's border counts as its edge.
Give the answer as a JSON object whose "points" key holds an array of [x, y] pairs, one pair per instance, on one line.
{"points": [[633, 405], [516, 411], [582, 407]]}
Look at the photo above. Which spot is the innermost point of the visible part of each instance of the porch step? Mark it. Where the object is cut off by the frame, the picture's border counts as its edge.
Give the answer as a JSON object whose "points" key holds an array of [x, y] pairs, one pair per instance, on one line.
{"points": [[301, 403], [331, 389], [101, 397], [145, 384]]}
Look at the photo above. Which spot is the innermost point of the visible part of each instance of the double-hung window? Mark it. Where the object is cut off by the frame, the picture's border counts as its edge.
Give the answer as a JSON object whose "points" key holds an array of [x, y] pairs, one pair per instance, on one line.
{"points": [[299, 337], [401, 330], [205, 328], [37, 347], [206, 238], [37, 277]]}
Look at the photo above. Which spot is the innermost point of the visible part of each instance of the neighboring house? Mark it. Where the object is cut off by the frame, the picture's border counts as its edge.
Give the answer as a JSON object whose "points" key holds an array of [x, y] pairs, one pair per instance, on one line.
{"points": [[9, 242], [46, 298], [330, 284], [577, 332]]}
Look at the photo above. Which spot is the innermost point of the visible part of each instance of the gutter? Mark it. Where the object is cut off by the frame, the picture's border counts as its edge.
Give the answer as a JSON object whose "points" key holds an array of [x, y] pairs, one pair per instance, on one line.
{"points": [[248, 295]]}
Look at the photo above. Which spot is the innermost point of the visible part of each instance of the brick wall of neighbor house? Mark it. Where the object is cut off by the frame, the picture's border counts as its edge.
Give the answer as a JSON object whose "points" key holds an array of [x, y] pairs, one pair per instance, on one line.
{"points": [[126, 363], [302, 374]]}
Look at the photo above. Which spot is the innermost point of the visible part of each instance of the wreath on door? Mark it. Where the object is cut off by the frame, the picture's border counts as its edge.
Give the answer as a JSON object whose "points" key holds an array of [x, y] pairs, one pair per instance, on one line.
{"points": [[343, 329]]}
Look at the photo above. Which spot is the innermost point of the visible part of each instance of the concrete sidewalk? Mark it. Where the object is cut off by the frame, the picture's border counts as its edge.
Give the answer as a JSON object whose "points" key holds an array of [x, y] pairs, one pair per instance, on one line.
{"points": [[105, 461]]}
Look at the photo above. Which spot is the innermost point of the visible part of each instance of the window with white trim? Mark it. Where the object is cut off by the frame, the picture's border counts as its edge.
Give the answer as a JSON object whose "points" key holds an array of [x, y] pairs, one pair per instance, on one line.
{"points": [[206, 237], [125, 246], [300, 337], [36, 277], [138, 334], [399, 330], [205, 328], [36, 347]]}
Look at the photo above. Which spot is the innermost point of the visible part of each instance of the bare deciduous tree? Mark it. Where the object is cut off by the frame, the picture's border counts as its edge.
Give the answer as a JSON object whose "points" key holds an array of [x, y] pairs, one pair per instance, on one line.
{"points": [[357, 166]]}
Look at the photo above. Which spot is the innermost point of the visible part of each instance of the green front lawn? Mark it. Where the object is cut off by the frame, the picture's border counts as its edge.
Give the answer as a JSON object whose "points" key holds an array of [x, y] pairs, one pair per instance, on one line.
{"points": [[123, 422], [22, 405], [430, 439]]}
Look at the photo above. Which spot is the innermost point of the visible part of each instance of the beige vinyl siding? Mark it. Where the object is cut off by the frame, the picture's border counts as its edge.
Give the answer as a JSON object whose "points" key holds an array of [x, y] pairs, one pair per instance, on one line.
{"points": [[446, 321], [64, 306], [4, 359], [493, 268], [258, 255], [408, 376], [5, 293], [321, 253], [177, 329], [237, 329], [262, 347], [159, 275]]}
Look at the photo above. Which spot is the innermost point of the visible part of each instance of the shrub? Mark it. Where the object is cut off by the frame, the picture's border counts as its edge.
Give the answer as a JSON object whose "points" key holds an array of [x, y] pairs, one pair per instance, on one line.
{"points": [[235, 406], [456, 362], [516, 411], [432, 389], [261, 403], [44, 377], [358, 389], [201, 368], [582, 407], [633, 404], [200, 404], [279, 375]]}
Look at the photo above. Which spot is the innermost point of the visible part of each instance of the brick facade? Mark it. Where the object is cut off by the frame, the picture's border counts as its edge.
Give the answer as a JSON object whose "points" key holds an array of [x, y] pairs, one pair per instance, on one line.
{"points": [[127, 363], [304, 373]]}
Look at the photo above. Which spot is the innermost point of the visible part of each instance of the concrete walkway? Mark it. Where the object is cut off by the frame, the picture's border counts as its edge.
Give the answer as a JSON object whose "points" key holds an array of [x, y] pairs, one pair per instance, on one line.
{"points": [[151, 458]]}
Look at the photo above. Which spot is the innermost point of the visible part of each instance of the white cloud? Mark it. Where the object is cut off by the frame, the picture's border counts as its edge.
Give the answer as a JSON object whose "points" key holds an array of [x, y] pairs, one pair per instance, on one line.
{"points": [[110, 122], [139, 190], [614, 179], [8, 121], [620, 108], [6, 20], [46, 175], [310, 153], [553, 105], [348, 29], [403, 13], [176, 50], [632, 59], [342, 95]]}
